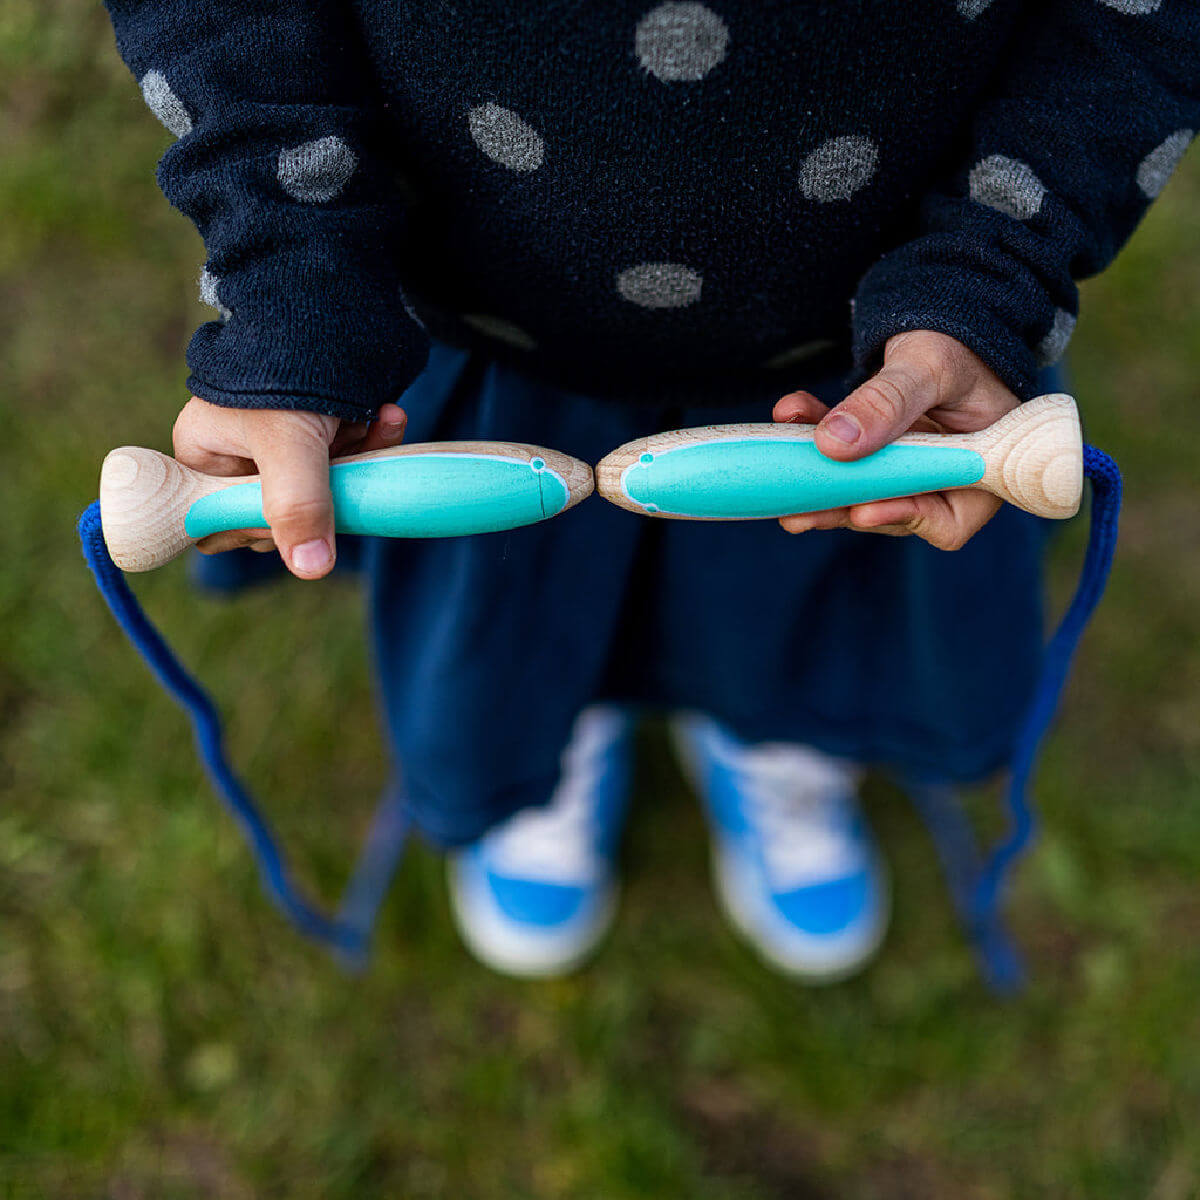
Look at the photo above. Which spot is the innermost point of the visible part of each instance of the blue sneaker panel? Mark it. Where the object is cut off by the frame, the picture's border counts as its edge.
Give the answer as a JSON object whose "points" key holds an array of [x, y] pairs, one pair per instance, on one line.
{"points": [[532, 902], [828, 908]]}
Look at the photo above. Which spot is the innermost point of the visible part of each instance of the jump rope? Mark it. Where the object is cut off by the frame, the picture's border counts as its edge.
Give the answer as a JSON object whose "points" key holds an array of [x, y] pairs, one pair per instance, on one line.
{"points": [[152, 508]]}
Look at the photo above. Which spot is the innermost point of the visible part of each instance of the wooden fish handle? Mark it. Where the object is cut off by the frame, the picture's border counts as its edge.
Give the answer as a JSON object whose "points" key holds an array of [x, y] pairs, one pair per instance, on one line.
{"points": [[152, 508], [1032, 457]]}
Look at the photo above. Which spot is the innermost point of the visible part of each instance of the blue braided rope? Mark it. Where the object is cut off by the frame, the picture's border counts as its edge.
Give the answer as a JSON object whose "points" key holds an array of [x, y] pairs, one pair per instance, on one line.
{"points": [[978, 884], [348, 933]]}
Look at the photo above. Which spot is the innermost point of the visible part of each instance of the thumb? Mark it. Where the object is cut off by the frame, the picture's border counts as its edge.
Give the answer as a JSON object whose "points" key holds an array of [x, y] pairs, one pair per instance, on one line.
{"points": [[293, 463], [904, 388]]}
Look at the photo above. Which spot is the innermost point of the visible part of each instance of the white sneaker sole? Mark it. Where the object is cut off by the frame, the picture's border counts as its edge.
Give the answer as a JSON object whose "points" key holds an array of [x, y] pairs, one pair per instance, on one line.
{"points": [[807, 958], [497, 942]]}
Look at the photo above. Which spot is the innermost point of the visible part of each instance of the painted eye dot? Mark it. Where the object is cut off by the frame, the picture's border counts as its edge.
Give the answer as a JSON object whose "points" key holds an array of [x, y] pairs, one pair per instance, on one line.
{"points": [[646, 458], [538, 464], [650, 507]]}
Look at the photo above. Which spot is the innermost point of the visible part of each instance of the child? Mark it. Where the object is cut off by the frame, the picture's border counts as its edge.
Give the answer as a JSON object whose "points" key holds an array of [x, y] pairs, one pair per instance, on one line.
{"points": [[574, 225]]}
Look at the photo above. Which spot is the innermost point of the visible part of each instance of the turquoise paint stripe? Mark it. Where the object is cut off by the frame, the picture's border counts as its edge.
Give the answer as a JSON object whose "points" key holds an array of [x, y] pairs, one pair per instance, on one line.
{"points": [[415, 496], [761, 477]]}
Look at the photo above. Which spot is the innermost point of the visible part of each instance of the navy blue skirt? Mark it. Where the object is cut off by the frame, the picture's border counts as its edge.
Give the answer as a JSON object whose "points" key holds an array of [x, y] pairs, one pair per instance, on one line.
{"points": [[883, 650]]}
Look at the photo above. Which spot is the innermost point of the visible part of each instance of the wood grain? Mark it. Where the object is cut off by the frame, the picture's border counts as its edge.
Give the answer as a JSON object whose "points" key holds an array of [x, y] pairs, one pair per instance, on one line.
{"points": [[145, 495], [1033, 455]]}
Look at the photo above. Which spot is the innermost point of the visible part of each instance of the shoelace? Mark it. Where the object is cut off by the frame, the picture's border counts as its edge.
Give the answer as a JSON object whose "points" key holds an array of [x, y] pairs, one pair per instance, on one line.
{"points": [[348, 932], [804, 826], [554, 844]]}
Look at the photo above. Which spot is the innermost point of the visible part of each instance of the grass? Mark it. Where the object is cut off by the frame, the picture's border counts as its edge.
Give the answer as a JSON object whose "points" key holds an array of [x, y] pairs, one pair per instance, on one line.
{"points": [[162, 1034]]}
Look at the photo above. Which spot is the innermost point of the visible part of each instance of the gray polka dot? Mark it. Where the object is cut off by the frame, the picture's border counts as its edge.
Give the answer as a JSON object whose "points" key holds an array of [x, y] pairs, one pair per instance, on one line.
{"points": [[1007, 184], [680, 42], [1156, 168], [316, 172], [164, 104], [505, 138], [501, 330], [1051, 348], [1134, 8], [838, 168], [972, 8], [797, 354], [660, 285], [209, 295]]}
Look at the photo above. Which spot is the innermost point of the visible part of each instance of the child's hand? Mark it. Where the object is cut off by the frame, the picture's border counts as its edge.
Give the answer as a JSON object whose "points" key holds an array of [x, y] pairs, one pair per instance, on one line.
{"points": [[291, 451], [928, 382]]}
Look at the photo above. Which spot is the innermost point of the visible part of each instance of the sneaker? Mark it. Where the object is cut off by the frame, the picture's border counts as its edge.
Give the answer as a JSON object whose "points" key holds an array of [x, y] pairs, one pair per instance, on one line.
{"points": [[535, 895], [796, 869]]}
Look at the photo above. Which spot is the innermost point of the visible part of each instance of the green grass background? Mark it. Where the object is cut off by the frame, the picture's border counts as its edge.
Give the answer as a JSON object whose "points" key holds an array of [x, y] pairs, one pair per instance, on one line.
{"points": [[162, 1034]]}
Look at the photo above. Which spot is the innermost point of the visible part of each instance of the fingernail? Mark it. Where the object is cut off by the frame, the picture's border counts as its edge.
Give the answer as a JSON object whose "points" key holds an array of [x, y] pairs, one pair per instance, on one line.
{"points": [[311, 557], [392, 426], [797, 527], [842, 429]]}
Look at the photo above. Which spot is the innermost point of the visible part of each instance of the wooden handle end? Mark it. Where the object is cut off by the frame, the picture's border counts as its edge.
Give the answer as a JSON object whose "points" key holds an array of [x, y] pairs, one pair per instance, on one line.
{"points": [[144, 497], [1034, 457]]}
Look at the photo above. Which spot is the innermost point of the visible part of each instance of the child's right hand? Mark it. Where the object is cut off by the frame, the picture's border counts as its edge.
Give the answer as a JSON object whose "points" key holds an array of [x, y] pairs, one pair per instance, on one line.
{"points": [[291, 452]]}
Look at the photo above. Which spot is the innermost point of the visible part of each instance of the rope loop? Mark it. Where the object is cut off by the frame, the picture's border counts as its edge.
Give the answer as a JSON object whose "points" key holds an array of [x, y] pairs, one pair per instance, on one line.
{"points": [[346, 934], [980, 900]]}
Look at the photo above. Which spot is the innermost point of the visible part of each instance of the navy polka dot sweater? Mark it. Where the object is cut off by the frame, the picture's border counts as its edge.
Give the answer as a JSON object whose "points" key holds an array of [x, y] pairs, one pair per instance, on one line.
{"points": [[650, 200]]}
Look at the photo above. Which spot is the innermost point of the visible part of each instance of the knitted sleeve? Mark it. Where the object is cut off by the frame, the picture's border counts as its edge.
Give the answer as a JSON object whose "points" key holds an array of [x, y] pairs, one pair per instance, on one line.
{"points": [[1076, 139], [278, 162]]}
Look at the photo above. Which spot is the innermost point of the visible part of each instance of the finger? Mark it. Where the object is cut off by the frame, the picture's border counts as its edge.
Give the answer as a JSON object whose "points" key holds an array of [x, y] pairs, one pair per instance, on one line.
{"points": [[263, 546], [219, 543], [386, 430], [348, 437], [293, 461], [889, 517], [925, 424], [883, 514], [829, 518], [233, 539], [977, 409], [971, 395], [203, 443], [947, 520], [799, 408], [896, 396]]}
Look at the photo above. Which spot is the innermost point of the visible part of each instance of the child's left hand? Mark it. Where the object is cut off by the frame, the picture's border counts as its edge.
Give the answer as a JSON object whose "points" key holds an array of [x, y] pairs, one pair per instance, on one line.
{"points": [[928, 381]]}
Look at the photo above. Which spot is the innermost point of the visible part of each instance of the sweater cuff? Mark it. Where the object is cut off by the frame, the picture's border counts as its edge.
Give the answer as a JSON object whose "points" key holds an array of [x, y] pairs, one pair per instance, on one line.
{"points": [[973, 295], [330, 406], [313, 328]]}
